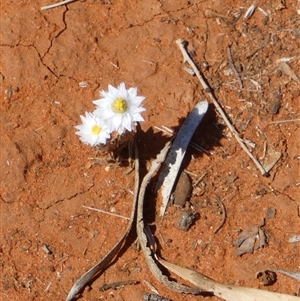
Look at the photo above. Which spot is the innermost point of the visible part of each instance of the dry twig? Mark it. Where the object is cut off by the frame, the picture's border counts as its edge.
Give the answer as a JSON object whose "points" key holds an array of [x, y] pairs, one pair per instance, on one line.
{"points": [[233, 67], [57, 4], [116, 285], [284, 121], [199, 179], [223, 215], [106, 212], [186, 58]]}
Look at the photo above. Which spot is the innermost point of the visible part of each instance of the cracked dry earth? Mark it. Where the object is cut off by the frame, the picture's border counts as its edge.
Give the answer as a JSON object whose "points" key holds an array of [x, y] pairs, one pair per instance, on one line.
{"points": [[55, 62]]}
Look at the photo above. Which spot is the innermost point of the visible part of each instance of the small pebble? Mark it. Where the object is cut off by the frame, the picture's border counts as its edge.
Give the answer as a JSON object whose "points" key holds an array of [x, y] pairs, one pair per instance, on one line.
{"points": [[275, 103], [186, 219], [154, 297], [271, 212], [294, 239]]}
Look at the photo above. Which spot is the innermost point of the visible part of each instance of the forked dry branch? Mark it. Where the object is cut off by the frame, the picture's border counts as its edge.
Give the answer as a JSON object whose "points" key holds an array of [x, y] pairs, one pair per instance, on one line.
{"points": [[186, 58]]}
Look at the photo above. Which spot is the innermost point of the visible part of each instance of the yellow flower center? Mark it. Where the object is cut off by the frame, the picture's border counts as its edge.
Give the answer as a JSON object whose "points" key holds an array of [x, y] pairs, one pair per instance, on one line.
{"points": [[95, 130], [119, 106]]}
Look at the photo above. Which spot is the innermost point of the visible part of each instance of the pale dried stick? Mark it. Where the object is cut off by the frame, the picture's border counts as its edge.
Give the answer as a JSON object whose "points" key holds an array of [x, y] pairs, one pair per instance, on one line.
{"points": [[186, 58], [233, 67], [284, 121], [106, 212], [57, 4], [199, 179]]}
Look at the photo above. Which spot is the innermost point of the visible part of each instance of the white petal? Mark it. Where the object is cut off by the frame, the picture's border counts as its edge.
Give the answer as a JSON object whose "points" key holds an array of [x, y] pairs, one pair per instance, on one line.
{"points": [[127, 122], [138, 117], [132, 91]]}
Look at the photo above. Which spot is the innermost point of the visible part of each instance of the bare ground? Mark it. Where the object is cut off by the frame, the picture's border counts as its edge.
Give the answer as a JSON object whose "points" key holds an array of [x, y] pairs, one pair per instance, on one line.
{"points": [[55, 62]]}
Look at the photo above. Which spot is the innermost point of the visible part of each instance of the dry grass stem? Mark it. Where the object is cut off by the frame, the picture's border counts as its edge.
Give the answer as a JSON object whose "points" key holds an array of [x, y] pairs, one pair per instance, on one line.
{"points": [[284, 121], [105, 212]]}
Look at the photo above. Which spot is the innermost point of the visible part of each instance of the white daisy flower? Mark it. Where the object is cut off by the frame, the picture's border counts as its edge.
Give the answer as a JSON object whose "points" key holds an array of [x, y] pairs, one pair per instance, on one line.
{"points": [[119, 107], [92, 131]]}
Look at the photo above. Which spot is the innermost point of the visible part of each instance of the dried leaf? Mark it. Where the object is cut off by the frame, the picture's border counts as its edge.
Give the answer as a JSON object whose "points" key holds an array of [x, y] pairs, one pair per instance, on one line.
{"points": [[245, 234], [271, 158], [247, 246], [171, 166], [253, 237], [225, 291], [287, 70]]}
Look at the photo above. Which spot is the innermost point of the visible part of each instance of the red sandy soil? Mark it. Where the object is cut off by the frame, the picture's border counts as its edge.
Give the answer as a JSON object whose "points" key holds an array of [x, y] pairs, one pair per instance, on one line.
{"points": [[55, 62]]}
